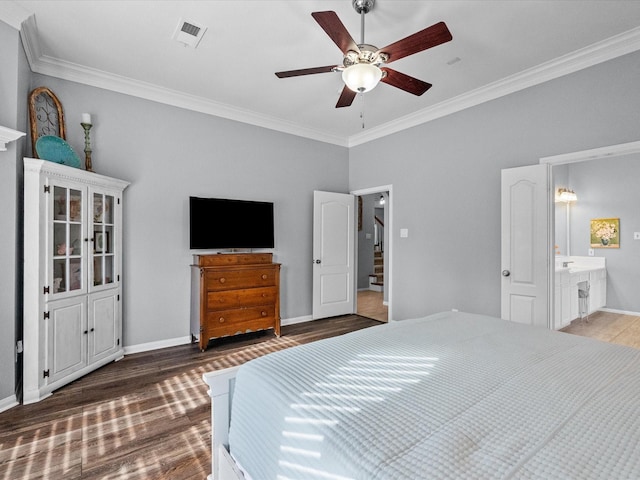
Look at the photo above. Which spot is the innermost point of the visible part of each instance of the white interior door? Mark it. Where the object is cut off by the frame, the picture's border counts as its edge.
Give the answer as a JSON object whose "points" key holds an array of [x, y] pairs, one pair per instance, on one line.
{"points": [[333, 254], [526, 245]]}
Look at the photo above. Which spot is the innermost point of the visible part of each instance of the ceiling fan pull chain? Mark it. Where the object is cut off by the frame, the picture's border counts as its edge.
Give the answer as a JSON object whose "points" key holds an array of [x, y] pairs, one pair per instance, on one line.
{"points": [[362, 109]]}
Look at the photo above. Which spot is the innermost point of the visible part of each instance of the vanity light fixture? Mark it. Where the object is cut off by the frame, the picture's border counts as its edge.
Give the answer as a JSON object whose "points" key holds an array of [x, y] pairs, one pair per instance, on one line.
{"points": [[566, 195]]}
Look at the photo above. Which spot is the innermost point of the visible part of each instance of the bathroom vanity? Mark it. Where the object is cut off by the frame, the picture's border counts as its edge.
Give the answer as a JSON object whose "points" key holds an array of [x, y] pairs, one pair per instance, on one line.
{"points": [[570, 271]]}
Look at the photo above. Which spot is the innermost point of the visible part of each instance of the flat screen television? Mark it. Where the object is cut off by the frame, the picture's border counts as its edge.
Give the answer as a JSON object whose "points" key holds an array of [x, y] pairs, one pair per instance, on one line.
{"points": [[223, 223]]}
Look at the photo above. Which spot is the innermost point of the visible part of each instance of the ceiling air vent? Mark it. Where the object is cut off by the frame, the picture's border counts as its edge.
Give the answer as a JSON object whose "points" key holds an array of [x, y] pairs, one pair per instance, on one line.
{"points": [[189, 33]]}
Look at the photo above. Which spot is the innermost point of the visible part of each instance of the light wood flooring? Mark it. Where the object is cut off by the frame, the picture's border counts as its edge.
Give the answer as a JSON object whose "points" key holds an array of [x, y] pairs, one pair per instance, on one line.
{"points": [[609, 327], [370, 305], [144, 417]]}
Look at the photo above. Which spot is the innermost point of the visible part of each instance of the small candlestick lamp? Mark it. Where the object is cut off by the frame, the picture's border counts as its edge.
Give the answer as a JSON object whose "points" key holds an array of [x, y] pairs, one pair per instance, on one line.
{"points": [[86, 124]]}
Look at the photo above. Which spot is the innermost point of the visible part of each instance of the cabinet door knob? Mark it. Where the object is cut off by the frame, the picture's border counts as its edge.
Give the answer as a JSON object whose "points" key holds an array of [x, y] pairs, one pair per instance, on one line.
{"points": [[86, 332], [221, 320], [506, 273], [222, 279], [264, 314], [264, 276]]}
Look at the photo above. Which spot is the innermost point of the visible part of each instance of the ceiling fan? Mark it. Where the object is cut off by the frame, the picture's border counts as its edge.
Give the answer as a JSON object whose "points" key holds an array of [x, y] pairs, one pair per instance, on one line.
{"points": [[362, 67]]}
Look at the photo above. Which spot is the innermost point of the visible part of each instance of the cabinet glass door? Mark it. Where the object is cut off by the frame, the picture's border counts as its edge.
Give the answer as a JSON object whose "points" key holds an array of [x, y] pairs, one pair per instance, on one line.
{"points": [[103, 255], [66, 241]]}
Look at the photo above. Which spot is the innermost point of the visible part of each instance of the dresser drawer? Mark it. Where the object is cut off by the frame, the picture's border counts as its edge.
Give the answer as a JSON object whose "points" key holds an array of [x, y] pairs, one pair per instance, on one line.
{"points": [[223, 260], [226, 317], [243, 327], [244, 297], [230, 322], [231, 279]]}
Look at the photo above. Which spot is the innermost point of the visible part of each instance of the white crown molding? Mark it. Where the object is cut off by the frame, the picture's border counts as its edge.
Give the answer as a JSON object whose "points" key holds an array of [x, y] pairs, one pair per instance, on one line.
{"points": [[610, 151], [30, 40], [8, 135], [608, 49]]}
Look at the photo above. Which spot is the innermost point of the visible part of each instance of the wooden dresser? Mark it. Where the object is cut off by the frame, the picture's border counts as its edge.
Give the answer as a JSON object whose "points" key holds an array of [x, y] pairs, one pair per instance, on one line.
{"points": [[232, 294]]}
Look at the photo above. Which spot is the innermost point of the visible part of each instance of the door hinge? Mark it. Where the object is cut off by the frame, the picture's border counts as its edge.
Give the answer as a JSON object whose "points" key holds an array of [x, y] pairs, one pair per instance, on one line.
{"points": [[118, 200], [118, 297], [45, 315], [45, 290], [45, 373], [118, 277], [118, 343], [47, 189]]}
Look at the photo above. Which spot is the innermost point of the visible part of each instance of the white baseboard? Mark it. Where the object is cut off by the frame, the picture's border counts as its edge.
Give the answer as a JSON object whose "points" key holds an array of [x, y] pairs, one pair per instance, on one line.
{"points": [[174, 342], [621, 312], [145, 347], [293, 321], [7, 403]]}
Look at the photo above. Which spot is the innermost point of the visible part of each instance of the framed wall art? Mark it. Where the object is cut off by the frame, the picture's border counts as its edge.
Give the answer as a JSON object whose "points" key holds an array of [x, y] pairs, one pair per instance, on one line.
{"points": [[605, 233]]}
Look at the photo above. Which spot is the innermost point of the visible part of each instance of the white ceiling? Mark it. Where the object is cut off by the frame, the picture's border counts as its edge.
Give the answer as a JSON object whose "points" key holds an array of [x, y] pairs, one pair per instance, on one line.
{"points": [[503, 46]]}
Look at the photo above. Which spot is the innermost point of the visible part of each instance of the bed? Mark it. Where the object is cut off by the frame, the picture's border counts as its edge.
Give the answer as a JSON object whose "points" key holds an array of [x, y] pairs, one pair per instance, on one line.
{"points": [[451, 395]]}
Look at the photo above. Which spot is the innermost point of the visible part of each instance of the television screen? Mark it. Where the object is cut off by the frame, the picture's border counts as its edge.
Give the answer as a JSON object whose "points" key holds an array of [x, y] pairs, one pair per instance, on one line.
{"points": [[223, 223]]}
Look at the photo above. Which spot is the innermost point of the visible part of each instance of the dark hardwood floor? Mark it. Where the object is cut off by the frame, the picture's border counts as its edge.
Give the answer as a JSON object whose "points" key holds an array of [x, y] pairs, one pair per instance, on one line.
{"points": [[144, 417]]}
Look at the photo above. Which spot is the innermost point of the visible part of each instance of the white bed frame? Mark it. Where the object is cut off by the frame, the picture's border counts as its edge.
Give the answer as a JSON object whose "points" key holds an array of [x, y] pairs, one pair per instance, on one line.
{"points": [[221, 384]]}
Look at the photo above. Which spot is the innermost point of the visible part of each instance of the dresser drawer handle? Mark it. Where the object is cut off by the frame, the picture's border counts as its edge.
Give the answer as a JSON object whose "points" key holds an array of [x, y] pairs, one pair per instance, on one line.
{"points": [[221, 320], [264, 314], [264, 295], [222, 279], [264, 276]]}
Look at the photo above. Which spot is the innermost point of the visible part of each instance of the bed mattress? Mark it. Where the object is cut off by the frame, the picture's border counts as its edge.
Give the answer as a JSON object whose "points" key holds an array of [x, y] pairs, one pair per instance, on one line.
{"points": [[452, 395]]}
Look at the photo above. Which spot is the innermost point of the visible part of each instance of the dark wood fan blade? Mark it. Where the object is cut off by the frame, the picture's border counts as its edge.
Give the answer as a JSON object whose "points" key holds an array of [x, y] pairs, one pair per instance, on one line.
{"points": [[346, 97], [332, 25], [305, 71], [429, 37], [405, 82]]}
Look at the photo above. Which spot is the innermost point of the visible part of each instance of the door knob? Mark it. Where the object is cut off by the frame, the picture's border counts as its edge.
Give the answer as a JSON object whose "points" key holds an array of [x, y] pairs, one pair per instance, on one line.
{"points": [[318, 261], [506, 273]]}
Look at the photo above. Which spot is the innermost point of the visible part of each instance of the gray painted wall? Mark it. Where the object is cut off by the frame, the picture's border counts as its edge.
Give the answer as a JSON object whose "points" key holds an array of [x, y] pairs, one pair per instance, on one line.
{"points": [[13, 94], [446, 179], [168, 154], [608, 189]]}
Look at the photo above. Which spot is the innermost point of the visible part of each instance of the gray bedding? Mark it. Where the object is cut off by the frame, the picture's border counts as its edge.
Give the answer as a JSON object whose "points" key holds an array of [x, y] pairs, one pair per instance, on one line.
{"points": [[452, 395]]}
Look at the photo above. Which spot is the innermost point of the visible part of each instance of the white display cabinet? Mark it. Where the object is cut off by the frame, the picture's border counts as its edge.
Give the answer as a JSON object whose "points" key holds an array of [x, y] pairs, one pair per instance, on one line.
{"points": [[72, 274]]}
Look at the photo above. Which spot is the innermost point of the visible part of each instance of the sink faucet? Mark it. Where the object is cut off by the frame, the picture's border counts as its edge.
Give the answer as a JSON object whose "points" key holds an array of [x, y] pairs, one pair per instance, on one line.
{"points": [[566, 264]]}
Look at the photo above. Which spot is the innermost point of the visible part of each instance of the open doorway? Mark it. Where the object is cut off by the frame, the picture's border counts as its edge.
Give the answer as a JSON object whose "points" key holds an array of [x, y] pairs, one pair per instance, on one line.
{"points": [[373, 279], [594, 174]]}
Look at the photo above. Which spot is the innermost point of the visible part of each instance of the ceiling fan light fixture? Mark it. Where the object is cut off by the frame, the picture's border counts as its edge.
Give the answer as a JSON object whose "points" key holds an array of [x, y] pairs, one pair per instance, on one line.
{"points": [[361, 77]]}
